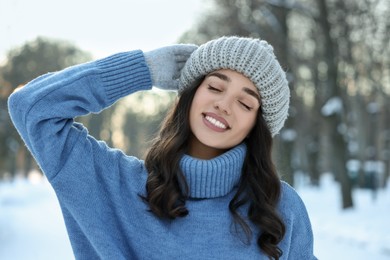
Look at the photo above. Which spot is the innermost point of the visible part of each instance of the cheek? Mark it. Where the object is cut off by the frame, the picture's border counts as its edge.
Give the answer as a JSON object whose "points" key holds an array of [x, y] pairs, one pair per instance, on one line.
{"points": [[249, 124], [200, 94], [194, 110], [200, 99]]}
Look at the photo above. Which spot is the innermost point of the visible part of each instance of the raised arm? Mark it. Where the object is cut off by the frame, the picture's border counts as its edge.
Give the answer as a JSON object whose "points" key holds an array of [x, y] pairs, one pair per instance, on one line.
{"points": [[44, 109]]}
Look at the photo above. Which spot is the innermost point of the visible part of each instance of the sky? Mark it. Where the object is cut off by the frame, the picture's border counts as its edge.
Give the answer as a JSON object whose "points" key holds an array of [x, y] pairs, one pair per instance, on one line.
{"points": [[99, 27]]}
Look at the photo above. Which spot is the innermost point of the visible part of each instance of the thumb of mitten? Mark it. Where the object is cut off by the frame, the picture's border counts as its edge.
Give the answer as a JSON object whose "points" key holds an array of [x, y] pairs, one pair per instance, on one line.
{"points": [[166, 63]]}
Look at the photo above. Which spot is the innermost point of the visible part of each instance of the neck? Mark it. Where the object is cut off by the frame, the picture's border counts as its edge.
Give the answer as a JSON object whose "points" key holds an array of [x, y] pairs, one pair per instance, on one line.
{"points": [[199, 150]]}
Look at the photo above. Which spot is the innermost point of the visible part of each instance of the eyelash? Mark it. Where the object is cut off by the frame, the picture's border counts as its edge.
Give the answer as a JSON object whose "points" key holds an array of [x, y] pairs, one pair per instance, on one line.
{"points": [[213, 89], [245, 106], [241, 103]]}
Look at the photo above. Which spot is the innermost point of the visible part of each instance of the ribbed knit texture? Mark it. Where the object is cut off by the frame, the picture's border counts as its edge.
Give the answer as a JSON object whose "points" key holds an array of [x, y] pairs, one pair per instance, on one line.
{"points": [[255, 59], [215, 177], [116, 77], [99, 188]]}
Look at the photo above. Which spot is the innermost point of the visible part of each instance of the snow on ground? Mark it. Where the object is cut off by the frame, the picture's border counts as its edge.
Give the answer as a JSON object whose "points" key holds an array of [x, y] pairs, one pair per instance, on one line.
{"points": [[31, 225], [359, 233]]}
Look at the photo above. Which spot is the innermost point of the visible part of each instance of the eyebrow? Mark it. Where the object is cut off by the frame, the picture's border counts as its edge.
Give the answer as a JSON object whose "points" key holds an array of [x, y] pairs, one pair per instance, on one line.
{"points": [[245, 89]]}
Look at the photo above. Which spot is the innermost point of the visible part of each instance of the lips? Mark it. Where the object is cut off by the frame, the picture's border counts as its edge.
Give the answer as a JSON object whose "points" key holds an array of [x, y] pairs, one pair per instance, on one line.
{"points": [[215, 122]]}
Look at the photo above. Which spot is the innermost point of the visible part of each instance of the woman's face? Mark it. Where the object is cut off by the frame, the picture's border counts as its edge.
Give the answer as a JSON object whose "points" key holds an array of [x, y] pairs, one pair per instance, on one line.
{"points": [[222, 113]]}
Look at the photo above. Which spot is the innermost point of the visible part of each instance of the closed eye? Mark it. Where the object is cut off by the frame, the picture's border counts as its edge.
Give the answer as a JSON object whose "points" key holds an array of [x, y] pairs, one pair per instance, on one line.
{"points": [[245, 106], [213, 89]]}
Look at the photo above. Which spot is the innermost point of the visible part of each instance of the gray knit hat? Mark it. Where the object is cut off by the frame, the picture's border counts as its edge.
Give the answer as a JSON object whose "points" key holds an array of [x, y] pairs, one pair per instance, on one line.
{"points": [[254, 59]]}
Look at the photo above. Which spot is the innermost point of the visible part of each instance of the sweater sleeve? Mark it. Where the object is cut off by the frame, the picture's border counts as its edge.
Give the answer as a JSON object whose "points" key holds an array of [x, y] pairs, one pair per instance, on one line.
{"points": [[43, 111]]}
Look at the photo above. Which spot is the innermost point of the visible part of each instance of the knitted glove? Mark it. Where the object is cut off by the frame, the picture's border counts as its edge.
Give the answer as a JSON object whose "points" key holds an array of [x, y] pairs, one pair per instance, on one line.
{"points": [[166, 63]]}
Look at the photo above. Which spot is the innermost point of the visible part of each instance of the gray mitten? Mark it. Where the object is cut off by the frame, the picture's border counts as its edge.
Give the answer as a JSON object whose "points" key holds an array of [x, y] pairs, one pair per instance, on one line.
{"points": [[166, 63]]}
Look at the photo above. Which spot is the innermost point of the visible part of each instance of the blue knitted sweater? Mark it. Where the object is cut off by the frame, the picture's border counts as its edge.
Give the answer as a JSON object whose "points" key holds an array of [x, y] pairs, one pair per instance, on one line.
{"points": [[98, 187]]}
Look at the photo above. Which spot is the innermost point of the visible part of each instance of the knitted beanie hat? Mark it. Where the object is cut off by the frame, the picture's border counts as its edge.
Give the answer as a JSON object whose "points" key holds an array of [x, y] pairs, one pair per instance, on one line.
{"points": [[254, 59]]}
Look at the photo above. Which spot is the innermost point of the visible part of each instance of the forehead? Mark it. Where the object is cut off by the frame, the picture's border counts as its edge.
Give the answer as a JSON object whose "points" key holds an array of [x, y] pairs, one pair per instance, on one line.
{"points": [[231, 75]]}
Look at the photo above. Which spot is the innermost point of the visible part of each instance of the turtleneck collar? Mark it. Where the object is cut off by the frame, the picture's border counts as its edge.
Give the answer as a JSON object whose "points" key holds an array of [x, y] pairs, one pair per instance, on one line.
{"points": [[216, 177]]}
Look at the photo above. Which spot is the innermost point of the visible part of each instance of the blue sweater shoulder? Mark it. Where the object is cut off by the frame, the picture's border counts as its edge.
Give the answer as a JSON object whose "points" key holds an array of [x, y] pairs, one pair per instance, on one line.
{"points": [[299, 234]]}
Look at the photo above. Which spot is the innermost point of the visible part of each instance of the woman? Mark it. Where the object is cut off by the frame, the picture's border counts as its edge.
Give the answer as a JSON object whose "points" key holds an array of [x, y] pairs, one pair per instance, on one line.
{"points": [[207, 189]]}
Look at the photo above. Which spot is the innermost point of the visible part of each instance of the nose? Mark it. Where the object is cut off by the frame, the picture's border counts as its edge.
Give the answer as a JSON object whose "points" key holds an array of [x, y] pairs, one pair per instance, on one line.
{"points": [[224, 105]]}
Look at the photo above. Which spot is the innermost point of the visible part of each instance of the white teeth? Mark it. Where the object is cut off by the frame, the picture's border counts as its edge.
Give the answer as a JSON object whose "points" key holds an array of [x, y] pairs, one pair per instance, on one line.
{"points": [[215, 122]]}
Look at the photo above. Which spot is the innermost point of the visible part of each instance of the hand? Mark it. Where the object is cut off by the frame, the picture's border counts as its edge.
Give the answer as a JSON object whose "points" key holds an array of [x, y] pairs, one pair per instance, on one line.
{"points": [[166, 63]]}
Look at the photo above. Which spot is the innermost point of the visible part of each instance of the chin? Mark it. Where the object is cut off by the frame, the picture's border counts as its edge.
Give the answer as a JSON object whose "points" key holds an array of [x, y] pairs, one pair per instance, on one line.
{"points": [[220, 146]]}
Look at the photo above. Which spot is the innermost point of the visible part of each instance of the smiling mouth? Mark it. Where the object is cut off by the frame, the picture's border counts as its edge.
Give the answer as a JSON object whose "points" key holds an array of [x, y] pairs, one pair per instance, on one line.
{"points": [[215, 122]]}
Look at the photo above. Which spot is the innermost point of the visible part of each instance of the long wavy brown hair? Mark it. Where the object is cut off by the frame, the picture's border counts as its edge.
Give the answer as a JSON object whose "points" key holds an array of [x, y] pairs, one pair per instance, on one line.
{"points": [[259, 186]]}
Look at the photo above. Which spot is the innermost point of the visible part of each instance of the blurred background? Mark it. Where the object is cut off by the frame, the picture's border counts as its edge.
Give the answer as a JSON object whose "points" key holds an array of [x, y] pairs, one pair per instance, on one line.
{"points": [[334, 148]]}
